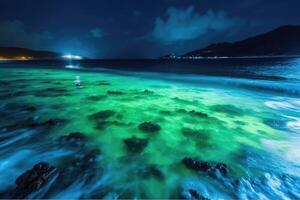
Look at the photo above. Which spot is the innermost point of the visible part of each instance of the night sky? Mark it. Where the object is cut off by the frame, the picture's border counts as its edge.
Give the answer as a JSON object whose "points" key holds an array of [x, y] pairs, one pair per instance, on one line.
{"points": [[137, 28]]}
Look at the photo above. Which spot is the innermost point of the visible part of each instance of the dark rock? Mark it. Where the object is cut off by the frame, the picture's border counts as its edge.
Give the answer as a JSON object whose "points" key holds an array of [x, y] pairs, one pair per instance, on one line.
{"points": [[101, 125], [196, 165], [59, 90], [88, 160], [97, 98], [148, 91], [33, 179], [73, 139], [82, 165], [149, 127], [202, 166], [194, 113], [54, 122], [195, 195], [136, 145], [151, 171], [30, 108], [192, 191], [198, 114], [101, 118], [103, 83], [222, 167], [166, 112], [114, 92], [102, 115]]}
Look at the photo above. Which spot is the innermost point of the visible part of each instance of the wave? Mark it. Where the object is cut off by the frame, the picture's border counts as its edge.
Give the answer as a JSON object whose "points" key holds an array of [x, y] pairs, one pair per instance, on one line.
{"points": [[282, 87]]}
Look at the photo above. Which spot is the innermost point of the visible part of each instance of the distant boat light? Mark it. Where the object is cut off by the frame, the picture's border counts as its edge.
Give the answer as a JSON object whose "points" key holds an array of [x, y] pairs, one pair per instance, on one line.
{"points": [[72, 57]]}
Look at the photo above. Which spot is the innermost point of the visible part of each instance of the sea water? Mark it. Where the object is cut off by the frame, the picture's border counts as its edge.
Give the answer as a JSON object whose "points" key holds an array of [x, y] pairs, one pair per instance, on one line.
{"points": [[249, 123]]}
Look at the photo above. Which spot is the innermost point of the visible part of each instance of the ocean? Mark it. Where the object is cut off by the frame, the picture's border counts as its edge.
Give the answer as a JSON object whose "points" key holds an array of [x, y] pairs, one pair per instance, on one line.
{"points": [[151, 129]]}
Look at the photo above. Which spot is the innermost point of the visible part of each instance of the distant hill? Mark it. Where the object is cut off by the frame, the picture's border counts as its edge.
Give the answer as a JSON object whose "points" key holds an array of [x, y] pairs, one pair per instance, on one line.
{"points": [[284, 40], [16, 52]]}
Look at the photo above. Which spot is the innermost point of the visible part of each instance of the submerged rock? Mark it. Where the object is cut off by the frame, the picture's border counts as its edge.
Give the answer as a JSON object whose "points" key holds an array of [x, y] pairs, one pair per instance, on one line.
{"points": [[148, 91], [151, 171], [149, 127], [88, 160], [33, 122], [166, 112], [198, 114], [23, 86], [194, 113], [135, 145], [103, 83], [101, 118], [101, 125], [54, 122], [97, 98], [21, 107], [33, 179], [114, 92], [102, 115], [13, 94], [5, 83], [59, 90], [52, 92], [194, 133], [73, 139], [200, 137], [228, 109]]}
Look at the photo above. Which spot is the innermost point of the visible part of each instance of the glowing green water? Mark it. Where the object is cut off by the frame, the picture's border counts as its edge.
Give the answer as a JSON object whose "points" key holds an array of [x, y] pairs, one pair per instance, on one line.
{"points": [[234, 122]]}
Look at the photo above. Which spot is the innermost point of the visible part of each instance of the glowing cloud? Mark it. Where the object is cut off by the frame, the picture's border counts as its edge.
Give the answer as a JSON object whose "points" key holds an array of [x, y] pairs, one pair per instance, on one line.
{"points": [[187, 24]]}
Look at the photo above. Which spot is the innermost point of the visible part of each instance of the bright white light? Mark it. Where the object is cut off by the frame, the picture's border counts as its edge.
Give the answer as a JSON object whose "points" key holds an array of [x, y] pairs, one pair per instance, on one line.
{"points": [[72, 67], [70, 56]]}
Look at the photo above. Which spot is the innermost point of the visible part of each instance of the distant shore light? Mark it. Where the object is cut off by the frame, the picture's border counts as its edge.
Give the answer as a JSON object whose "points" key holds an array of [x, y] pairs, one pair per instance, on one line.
{"points": [[72, 67], [70, 56]]}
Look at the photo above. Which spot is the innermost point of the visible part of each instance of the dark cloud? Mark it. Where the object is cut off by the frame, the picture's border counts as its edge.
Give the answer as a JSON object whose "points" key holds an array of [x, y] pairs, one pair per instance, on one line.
{"points": [[187, 24], [97, 32], [16, 33]]}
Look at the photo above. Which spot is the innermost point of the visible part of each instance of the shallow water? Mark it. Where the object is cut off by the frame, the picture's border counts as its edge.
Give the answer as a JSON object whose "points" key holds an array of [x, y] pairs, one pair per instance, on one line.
{"points": [[252, 126]]}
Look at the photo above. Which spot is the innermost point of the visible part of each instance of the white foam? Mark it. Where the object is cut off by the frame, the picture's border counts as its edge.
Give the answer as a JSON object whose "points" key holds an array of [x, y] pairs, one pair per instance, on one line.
{"points": [[279, 105], [294, 125], [289, 149]]}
